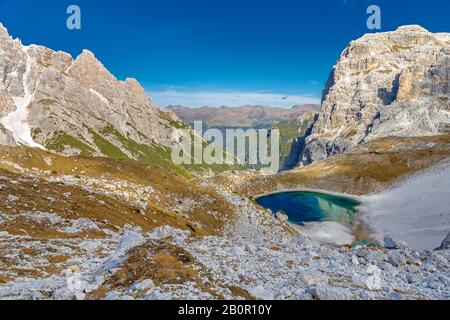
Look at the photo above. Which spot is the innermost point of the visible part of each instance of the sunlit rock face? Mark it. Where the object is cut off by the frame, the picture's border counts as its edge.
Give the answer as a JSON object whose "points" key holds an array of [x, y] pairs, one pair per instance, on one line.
{"points": [[386, 84], [50, 100]]}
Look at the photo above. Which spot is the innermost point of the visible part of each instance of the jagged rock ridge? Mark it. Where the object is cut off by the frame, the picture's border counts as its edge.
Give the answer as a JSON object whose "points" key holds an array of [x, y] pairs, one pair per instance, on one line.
{"points": [[386, 84], [76, 106]]}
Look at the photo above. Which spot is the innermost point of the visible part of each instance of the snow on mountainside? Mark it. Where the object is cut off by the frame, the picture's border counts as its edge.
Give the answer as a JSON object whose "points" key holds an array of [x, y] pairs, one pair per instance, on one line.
{"points": [[76, 106], [17, 122], [385, 84], [415, 210]]}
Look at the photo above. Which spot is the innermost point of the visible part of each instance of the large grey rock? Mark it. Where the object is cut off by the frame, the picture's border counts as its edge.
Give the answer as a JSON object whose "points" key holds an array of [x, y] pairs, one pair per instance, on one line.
{"points": [[309, 278], [396, 258], [324, 292], [384, 84], [445, 243], [390, 243]]}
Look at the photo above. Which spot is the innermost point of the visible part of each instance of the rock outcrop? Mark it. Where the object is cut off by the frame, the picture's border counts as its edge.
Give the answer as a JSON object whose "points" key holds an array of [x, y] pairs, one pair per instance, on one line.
{"points": [[445, 245], [6, 138], [76, 106], [387, 84]]}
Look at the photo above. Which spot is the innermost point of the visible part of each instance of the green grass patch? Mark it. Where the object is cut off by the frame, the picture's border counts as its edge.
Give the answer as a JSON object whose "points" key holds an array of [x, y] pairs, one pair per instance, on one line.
{"points": [[151, 154], [107, 148], [61, 139], [48, 102]]}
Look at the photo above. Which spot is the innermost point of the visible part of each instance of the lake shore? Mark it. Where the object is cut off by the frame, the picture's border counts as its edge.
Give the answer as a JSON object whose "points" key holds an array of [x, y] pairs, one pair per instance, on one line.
{"points": [[300, 189], [415, 210], [324, 230]]}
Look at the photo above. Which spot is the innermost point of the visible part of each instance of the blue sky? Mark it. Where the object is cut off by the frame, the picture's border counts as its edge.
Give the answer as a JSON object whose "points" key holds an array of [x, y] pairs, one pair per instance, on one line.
{"points": [[214, 52]]}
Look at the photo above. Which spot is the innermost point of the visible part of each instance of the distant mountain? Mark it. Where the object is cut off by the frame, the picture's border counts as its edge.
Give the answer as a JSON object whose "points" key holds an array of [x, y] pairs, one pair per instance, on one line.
{"points": [[246, 116]]}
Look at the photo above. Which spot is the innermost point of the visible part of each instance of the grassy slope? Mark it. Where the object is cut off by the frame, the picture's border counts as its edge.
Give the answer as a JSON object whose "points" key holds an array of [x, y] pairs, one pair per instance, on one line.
{"points": [[166, 183], [151, 153], [368, 168]]}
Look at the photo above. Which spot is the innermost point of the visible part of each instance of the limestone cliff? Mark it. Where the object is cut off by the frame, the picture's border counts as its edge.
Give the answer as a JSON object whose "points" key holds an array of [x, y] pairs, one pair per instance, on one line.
{"points": [[386, 84], [76, 106]]}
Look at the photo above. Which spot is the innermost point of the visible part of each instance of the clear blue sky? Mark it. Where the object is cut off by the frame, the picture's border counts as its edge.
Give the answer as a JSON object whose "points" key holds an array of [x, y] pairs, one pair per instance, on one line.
{"points": [[189, 50]]}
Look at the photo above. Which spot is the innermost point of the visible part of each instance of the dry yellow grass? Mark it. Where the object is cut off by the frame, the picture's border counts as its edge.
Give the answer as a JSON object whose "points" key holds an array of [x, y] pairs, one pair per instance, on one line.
{"points": [[368, 168], [165, 264], [170, 188], [27, 174]]}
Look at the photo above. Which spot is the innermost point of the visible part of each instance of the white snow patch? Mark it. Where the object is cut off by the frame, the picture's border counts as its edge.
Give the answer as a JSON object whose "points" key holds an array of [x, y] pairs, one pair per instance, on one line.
{"points": [[327, 232], [167, 232], [42, 217], [100, 96], [16, 121], [48, 161]]}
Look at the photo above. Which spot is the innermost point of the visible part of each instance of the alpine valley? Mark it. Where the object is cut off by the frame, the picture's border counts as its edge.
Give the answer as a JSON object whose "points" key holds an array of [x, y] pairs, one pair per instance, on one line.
{"points": [[92, 207]]}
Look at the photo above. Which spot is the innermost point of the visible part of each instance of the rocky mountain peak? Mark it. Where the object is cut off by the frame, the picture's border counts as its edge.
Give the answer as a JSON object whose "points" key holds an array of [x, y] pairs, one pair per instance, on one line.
{"points": [[135, 86], [5, 35], [77, 107], [411, 28], [3, 31], [384, 84], [90, 71]]}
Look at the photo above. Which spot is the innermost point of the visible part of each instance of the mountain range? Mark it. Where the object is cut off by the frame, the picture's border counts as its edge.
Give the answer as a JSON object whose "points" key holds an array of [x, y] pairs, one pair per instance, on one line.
{"points": [[241, 117], [77, 107]]}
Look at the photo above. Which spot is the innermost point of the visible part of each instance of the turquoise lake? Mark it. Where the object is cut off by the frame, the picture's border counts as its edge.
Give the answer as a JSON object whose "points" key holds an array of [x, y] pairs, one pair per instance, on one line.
{"points": [[311, 207]]}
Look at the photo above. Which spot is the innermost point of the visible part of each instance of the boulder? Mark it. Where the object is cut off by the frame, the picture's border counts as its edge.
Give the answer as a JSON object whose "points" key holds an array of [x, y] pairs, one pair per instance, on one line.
{"points": [[396, 258], [324, 292], [445, 245], [281, 216]]}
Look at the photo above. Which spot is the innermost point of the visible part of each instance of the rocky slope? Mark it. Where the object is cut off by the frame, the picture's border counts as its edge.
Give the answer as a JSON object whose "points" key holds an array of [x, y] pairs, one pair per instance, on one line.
{"points": [[80, 228], [292, 150], [242, 117], [76, 106], [389, 84]]}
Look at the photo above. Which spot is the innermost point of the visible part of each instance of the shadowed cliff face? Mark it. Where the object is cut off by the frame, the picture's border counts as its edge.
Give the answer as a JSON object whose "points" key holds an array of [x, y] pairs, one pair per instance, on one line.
{"points": [[388, 84], [299, 143]]}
